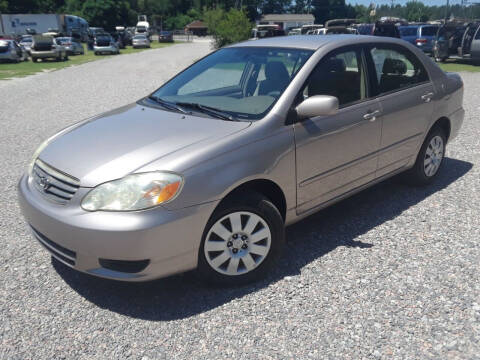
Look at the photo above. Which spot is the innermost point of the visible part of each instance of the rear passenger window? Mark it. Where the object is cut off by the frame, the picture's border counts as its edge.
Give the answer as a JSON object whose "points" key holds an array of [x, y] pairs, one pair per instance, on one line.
{"points": [[397, 69], [429, 30], [339, 75]]}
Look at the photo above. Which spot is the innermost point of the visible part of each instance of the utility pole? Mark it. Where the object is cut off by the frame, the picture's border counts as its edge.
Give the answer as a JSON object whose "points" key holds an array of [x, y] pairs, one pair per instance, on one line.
{"points": [[446, 11]]}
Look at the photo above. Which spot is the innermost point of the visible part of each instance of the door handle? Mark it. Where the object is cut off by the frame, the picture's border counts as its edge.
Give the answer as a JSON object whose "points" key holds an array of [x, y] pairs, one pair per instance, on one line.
{"points": [[371, 116], [427, 97]]}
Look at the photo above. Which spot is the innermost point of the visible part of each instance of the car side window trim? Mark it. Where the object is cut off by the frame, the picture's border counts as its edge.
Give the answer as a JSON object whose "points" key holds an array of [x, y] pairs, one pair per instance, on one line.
{"points": [[371, 64]]}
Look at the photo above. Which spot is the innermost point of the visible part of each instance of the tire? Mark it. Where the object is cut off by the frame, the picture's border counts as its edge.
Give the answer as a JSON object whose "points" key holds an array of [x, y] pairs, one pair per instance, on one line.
{"points": [[433, 152], [66, 57], [244, 252], [96, 53], [34, 59]]}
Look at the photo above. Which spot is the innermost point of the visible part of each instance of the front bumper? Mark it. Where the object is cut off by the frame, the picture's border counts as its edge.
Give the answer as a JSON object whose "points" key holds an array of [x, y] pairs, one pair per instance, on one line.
{"points": [[168, 239], [140, 44], [105, 49]]}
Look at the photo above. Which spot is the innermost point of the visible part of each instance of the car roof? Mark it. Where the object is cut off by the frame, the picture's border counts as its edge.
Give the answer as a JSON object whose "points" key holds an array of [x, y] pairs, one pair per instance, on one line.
{"points": [[314, 42]]}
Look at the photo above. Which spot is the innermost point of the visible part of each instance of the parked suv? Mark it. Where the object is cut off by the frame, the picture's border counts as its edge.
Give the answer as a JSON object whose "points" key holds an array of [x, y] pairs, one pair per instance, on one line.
{"points": [[46, 47]]}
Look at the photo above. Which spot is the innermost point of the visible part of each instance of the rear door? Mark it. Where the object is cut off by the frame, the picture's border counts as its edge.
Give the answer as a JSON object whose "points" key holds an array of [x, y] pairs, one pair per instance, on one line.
{"points": [[402, 85]]}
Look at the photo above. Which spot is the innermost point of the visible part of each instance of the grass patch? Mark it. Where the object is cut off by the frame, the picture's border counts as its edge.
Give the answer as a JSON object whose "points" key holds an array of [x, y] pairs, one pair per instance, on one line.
{"points": [[457, 66], [9, 70]]}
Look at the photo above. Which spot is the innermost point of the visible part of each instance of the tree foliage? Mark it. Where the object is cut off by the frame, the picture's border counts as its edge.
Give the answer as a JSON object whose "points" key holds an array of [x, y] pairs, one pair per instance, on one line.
{"points": [[228, 27], [175, 14]]}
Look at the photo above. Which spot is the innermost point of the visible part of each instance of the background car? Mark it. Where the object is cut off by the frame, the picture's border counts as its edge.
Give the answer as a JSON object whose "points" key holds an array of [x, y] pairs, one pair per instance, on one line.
{"points": [[386, 29], [409, 33], [72, 45], [105, 44], [26, 41], [11, 51], [165, 36], [140, 41], [425, 37], [46, 47]]}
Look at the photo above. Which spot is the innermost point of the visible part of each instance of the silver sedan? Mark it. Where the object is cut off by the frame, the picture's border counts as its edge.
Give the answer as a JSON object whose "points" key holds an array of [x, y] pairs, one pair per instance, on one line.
{"points": [[73, 46], [11, 51], [208, 170], [140, 41]]}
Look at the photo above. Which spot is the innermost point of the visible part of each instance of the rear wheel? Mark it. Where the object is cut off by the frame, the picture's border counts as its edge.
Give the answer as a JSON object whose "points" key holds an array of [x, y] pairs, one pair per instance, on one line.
{"points": [[242, 241], [429, 159]]}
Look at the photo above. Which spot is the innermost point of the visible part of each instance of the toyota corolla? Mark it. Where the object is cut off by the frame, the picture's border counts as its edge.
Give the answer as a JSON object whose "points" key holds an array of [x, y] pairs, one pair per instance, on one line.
{"points": [[206, 172]]}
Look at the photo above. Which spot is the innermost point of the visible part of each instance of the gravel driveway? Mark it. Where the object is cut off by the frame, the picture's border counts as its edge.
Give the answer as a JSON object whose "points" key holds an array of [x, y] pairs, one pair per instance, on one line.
{"points": [[390, 273]]}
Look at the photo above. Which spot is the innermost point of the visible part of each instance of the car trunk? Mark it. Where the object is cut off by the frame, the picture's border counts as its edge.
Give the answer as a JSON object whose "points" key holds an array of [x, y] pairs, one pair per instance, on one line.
{"points": [[42, 44], [103, 42]]}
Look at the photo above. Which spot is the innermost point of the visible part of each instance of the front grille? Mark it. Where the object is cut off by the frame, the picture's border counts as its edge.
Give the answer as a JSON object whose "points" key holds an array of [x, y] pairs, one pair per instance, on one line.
{"points": [[54, 184], [103, 43], [59, 252]]}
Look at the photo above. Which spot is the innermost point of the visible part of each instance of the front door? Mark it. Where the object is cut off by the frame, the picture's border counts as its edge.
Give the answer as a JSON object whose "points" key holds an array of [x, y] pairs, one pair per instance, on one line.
{"points": [[336, 154]]}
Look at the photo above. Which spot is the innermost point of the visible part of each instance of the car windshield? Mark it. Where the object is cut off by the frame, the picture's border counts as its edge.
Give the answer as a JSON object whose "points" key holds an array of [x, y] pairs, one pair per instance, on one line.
{"points": [[244, 82]]}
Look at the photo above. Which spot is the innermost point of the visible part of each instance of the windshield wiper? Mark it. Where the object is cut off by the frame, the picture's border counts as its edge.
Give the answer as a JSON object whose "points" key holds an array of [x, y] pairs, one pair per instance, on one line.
{"points": [[167, 105], [208, 110]]}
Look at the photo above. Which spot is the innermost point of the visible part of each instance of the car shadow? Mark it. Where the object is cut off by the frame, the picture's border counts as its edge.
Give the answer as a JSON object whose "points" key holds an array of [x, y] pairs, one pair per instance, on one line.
{"points": [[182, 296]]}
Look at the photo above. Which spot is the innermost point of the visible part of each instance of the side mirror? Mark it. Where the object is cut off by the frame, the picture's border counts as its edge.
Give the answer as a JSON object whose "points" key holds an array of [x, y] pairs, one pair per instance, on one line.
{"points": [[317, 105]]}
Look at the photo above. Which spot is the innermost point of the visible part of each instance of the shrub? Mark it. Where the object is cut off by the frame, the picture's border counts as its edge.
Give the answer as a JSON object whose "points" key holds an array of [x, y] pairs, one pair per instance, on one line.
{"points": [[228, 27]]}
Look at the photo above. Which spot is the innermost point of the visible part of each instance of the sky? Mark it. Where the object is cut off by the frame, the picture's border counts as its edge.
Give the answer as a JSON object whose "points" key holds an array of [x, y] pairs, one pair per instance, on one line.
{"points": [[426, 2]]}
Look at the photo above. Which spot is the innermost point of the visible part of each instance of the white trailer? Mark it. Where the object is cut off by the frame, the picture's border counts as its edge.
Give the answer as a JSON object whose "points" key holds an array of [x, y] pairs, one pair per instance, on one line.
{"points": [[17, 24]]}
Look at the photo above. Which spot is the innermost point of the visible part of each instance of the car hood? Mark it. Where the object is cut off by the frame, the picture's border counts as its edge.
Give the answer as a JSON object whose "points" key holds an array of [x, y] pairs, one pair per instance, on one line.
{"points": [[124, 140]]}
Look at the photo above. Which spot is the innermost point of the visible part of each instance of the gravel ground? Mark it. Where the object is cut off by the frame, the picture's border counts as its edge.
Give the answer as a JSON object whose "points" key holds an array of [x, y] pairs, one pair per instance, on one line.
{"points": [[390, 273]]}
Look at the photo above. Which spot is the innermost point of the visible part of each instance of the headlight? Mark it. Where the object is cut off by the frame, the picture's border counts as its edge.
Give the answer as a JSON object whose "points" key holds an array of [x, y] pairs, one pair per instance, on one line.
{"points": [[134, 192]]}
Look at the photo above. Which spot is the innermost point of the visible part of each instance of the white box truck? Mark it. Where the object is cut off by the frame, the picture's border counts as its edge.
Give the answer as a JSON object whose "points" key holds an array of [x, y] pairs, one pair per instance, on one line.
{"points": [[17, 24]]}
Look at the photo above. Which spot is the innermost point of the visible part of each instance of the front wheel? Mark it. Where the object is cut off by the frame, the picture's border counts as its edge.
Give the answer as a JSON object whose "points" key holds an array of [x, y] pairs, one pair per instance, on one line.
{"points": [[242, 241], [429, 159]]}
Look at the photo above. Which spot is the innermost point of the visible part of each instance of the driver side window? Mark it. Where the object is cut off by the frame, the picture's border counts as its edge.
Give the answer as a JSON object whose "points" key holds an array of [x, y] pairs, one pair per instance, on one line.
{"points": [[341, 75]]}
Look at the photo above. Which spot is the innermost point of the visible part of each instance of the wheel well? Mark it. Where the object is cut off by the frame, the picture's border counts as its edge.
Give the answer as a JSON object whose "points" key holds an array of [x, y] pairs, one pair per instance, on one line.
{"points": [[444, 124], [265, 187]]}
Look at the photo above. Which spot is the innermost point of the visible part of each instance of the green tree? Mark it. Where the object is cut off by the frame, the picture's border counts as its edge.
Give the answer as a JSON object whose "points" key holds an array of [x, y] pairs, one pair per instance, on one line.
{"points": [[3, 6], [228, 27], [107, 13]]}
